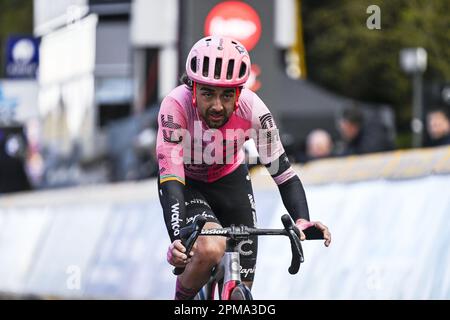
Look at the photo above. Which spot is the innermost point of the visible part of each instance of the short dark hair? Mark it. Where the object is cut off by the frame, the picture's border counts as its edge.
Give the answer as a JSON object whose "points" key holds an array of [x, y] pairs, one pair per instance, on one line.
{"points": [[186, 80], [442, 109], [352, 113]]}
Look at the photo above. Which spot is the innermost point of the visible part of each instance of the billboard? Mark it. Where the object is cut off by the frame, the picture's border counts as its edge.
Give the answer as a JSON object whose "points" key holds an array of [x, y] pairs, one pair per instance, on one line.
{"points": [[22, 57]]}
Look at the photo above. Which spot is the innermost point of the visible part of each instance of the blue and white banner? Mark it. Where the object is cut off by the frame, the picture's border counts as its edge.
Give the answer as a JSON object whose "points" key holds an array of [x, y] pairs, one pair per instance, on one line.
{"points": [[390, 241], [22, 57]]}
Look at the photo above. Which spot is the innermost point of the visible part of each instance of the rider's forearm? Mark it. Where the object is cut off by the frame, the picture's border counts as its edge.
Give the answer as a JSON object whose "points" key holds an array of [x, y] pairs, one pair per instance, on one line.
{"points": [[294, 198], [290, 186], [174, 209]]}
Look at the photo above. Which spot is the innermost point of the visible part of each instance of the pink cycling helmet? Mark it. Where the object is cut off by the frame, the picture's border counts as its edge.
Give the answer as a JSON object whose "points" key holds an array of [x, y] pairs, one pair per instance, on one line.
{"points": [[218, 61]]}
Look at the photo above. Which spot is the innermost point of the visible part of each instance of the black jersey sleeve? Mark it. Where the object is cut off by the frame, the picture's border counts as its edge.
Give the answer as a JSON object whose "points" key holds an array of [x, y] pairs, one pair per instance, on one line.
{"points": [[171, 196], [290, 187]]}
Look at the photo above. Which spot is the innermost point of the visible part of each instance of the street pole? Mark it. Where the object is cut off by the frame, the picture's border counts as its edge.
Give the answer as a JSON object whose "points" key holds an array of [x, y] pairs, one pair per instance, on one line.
{"points": [[413, 61], [417, 121]]}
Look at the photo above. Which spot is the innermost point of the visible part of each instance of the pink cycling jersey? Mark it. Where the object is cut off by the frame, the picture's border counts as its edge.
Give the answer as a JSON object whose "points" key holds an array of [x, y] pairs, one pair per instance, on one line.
{"points": [[186, 146]]}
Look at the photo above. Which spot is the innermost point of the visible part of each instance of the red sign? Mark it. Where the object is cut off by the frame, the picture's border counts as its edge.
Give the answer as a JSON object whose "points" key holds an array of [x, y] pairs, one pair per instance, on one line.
{"points": [[236, 20]]}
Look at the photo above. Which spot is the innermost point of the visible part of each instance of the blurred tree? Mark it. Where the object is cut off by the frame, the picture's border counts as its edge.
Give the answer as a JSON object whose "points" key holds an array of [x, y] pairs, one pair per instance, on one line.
{"points": [[343, 55], [16, 17]]}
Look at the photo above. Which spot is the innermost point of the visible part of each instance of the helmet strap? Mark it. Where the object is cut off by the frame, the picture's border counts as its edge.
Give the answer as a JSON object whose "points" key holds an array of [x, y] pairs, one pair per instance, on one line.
{"points": [[194, 94], [238, 93]]}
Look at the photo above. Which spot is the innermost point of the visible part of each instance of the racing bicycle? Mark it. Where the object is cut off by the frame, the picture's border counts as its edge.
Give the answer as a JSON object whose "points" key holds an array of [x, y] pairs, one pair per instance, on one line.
{"points": [[226, 275]]}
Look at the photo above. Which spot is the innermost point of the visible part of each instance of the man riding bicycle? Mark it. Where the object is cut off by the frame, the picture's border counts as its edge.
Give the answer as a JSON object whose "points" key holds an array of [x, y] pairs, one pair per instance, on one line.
{"points": [[203, 125]]}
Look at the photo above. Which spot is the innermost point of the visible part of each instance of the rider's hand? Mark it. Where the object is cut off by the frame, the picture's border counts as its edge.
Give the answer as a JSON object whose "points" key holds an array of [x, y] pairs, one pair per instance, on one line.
{"points": [[303, 224], [176, 254]]}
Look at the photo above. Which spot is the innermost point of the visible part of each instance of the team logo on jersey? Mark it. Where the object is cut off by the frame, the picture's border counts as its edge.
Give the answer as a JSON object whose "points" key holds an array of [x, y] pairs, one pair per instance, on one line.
{"points": [[204, 214], [175, 218], [266, 121], [246, 272], [242, 251], [268, 125], [170, 135], [169, 123], [162, 163]]}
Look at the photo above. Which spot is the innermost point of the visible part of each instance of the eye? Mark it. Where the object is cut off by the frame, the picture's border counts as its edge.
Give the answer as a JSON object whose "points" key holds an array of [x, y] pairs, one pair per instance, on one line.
{"points": [[206, 94]]}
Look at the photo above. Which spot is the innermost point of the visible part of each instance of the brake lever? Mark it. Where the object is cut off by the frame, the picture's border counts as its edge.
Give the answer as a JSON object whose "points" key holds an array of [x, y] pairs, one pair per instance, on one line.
{"points": [[296, 247], [194, 231]]}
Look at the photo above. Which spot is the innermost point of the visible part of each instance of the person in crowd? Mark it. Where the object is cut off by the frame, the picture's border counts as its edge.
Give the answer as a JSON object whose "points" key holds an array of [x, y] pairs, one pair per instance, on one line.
{"points": [[360, 136], [13, 177], [438, 127], [319, 145]]}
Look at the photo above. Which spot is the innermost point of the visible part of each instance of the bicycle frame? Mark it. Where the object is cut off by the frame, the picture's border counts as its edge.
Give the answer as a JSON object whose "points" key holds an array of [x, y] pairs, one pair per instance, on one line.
{"points": [[226, 275]]}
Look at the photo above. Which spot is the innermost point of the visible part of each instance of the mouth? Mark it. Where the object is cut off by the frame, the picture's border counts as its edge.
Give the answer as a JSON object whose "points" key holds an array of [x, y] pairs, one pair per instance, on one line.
{"points": [[215, 117]]}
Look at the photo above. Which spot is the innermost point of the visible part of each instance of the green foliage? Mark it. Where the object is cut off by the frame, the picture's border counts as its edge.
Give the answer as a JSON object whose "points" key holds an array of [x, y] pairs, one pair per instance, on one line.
{"points": [[16, 17], [343, 55]]}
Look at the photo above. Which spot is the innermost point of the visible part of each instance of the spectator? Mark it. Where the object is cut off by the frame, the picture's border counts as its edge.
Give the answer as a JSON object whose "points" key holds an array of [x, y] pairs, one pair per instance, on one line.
{"points": [[13, 177], [360, 136], [318, 145], [438, 127]]}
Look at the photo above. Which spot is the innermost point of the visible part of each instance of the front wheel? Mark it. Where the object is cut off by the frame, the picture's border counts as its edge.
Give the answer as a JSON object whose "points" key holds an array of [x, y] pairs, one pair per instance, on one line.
{"points": [[241, 292]]}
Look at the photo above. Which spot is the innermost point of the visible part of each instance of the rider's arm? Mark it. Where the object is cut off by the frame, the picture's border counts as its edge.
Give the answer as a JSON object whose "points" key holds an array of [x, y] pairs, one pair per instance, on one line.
{"points": [[290, 187], [171, 125], [273, 156]]}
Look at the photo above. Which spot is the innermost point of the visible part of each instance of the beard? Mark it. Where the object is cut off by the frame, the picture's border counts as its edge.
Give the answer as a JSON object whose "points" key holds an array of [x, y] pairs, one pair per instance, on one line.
{"points": [[215, 119]]}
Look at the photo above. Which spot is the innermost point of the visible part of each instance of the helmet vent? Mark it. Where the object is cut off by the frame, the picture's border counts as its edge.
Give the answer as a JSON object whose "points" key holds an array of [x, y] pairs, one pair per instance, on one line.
{"points": [[218, 68], [242, 70], [194, 64], [205, 70], [230, 69]]}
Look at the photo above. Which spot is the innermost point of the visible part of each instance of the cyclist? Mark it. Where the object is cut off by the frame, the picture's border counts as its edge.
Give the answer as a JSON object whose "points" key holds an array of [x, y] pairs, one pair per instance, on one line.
{"points": [[203, 125]]}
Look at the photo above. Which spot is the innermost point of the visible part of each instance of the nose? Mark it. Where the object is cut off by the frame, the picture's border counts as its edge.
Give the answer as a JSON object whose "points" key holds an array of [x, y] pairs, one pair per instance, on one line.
{"points": [[217, 105]]}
